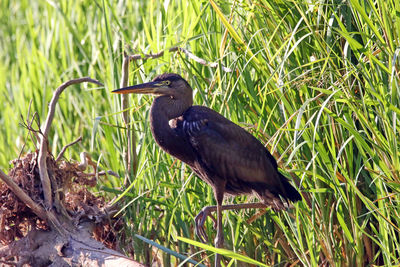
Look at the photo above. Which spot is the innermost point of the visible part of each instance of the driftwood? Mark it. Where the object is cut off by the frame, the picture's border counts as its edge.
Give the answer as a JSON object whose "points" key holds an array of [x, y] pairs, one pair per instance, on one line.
{"points": [[47, 215]]}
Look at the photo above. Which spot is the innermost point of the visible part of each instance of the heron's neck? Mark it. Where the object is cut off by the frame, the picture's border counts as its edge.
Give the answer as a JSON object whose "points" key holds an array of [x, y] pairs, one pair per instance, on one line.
{"points": [[170, 140], [169, 108]]}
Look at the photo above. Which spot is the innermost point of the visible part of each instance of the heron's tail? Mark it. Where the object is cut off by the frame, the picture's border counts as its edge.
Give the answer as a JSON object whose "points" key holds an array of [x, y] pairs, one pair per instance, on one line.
{"points": [[290, 192]]}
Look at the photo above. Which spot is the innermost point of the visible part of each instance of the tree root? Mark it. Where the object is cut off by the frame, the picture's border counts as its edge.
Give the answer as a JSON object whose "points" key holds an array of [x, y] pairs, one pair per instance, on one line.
{"points": [[47, 215]]}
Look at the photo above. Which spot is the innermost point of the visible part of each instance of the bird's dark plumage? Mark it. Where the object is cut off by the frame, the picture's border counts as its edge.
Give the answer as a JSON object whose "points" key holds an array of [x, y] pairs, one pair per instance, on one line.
{"points": [[221, 153], [213, 146], [226, 151]]}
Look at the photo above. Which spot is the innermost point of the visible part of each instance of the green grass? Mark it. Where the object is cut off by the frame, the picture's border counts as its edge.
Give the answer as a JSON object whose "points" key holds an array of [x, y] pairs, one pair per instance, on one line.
{"points": [[316, 82]]}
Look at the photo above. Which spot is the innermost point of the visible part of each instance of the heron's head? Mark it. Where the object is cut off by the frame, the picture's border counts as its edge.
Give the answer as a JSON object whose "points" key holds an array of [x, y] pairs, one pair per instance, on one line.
{"points": [[167, 84]]}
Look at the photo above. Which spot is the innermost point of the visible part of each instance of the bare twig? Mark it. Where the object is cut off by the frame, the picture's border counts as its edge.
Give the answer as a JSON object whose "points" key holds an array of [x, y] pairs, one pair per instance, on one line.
{"points": [[130, 151], [65, 148], [100, 173], [57, 93], [110, 172], [32, 132], [125, 117], [28, 125], [43, 150], [37, 209], [186, 52]]}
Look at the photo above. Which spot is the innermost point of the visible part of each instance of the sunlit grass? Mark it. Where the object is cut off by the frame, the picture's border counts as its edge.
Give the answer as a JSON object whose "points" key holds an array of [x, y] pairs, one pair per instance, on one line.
{"points": [[316, 82]]}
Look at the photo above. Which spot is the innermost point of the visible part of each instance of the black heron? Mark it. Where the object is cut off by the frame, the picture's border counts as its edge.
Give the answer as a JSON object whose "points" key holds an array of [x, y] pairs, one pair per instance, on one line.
{"points": [[220, 152]]}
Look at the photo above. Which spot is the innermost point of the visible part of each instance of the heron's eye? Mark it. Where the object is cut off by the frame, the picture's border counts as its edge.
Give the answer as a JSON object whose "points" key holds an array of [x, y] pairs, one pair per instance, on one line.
{"points": [[167, 82]]}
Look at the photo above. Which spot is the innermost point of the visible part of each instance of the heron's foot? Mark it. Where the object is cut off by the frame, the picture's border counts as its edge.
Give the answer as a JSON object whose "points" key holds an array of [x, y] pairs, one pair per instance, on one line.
{"points": [[200, 220]]}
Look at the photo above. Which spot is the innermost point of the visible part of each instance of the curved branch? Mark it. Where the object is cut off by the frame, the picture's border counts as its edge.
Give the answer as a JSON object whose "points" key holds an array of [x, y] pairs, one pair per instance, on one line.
{"points": [[60, 155], [57, 93], [43, 150]]}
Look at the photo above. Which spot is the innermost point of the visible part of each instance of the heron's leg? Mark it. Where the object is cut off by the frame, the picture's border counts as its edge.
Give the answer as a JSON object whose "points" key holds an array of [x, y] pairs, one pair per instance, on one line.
{"points": [[200, 219], [219, 190]]}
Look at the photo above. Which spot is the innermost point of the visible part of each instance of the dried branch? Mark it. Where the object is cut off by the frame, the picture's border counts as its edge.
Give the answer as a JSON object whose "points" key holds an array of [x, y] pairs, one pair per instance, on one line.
{"points": [[57, 93], [43, 150], [37, 209], [65, 148], [183, 50], [100, 173], [130, 152], [28, 125]]}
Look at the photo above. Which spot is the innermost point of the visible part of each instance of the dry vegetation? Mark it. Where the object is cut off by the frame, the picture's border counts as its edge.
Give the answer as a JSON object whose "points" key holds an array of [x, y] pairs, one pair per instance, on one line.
{"points": [[76, 222]]}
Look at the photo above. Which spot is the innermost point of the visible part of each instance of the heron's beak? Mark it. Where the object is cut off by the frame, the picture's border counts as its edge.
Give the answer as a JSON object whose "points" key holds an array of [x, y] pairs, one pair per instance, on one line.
{"points": [[144, 88]]}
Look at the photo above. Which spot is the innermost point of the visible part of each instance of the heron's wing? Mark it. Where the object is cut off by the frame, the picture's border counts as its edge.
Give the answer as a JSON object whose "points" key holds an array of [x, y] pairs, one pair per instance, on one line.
{"points": [[227, 150]]}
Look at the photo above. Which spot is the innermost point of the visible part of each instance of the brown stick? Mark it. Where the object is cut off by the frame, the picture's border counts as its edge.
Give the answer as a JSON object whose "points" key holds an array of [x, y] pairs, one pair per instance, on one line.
{"points": [[125, 114], [100, 173], [43, 150], [130, 152], [37, 209], [66, 146], [183, 50]]}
